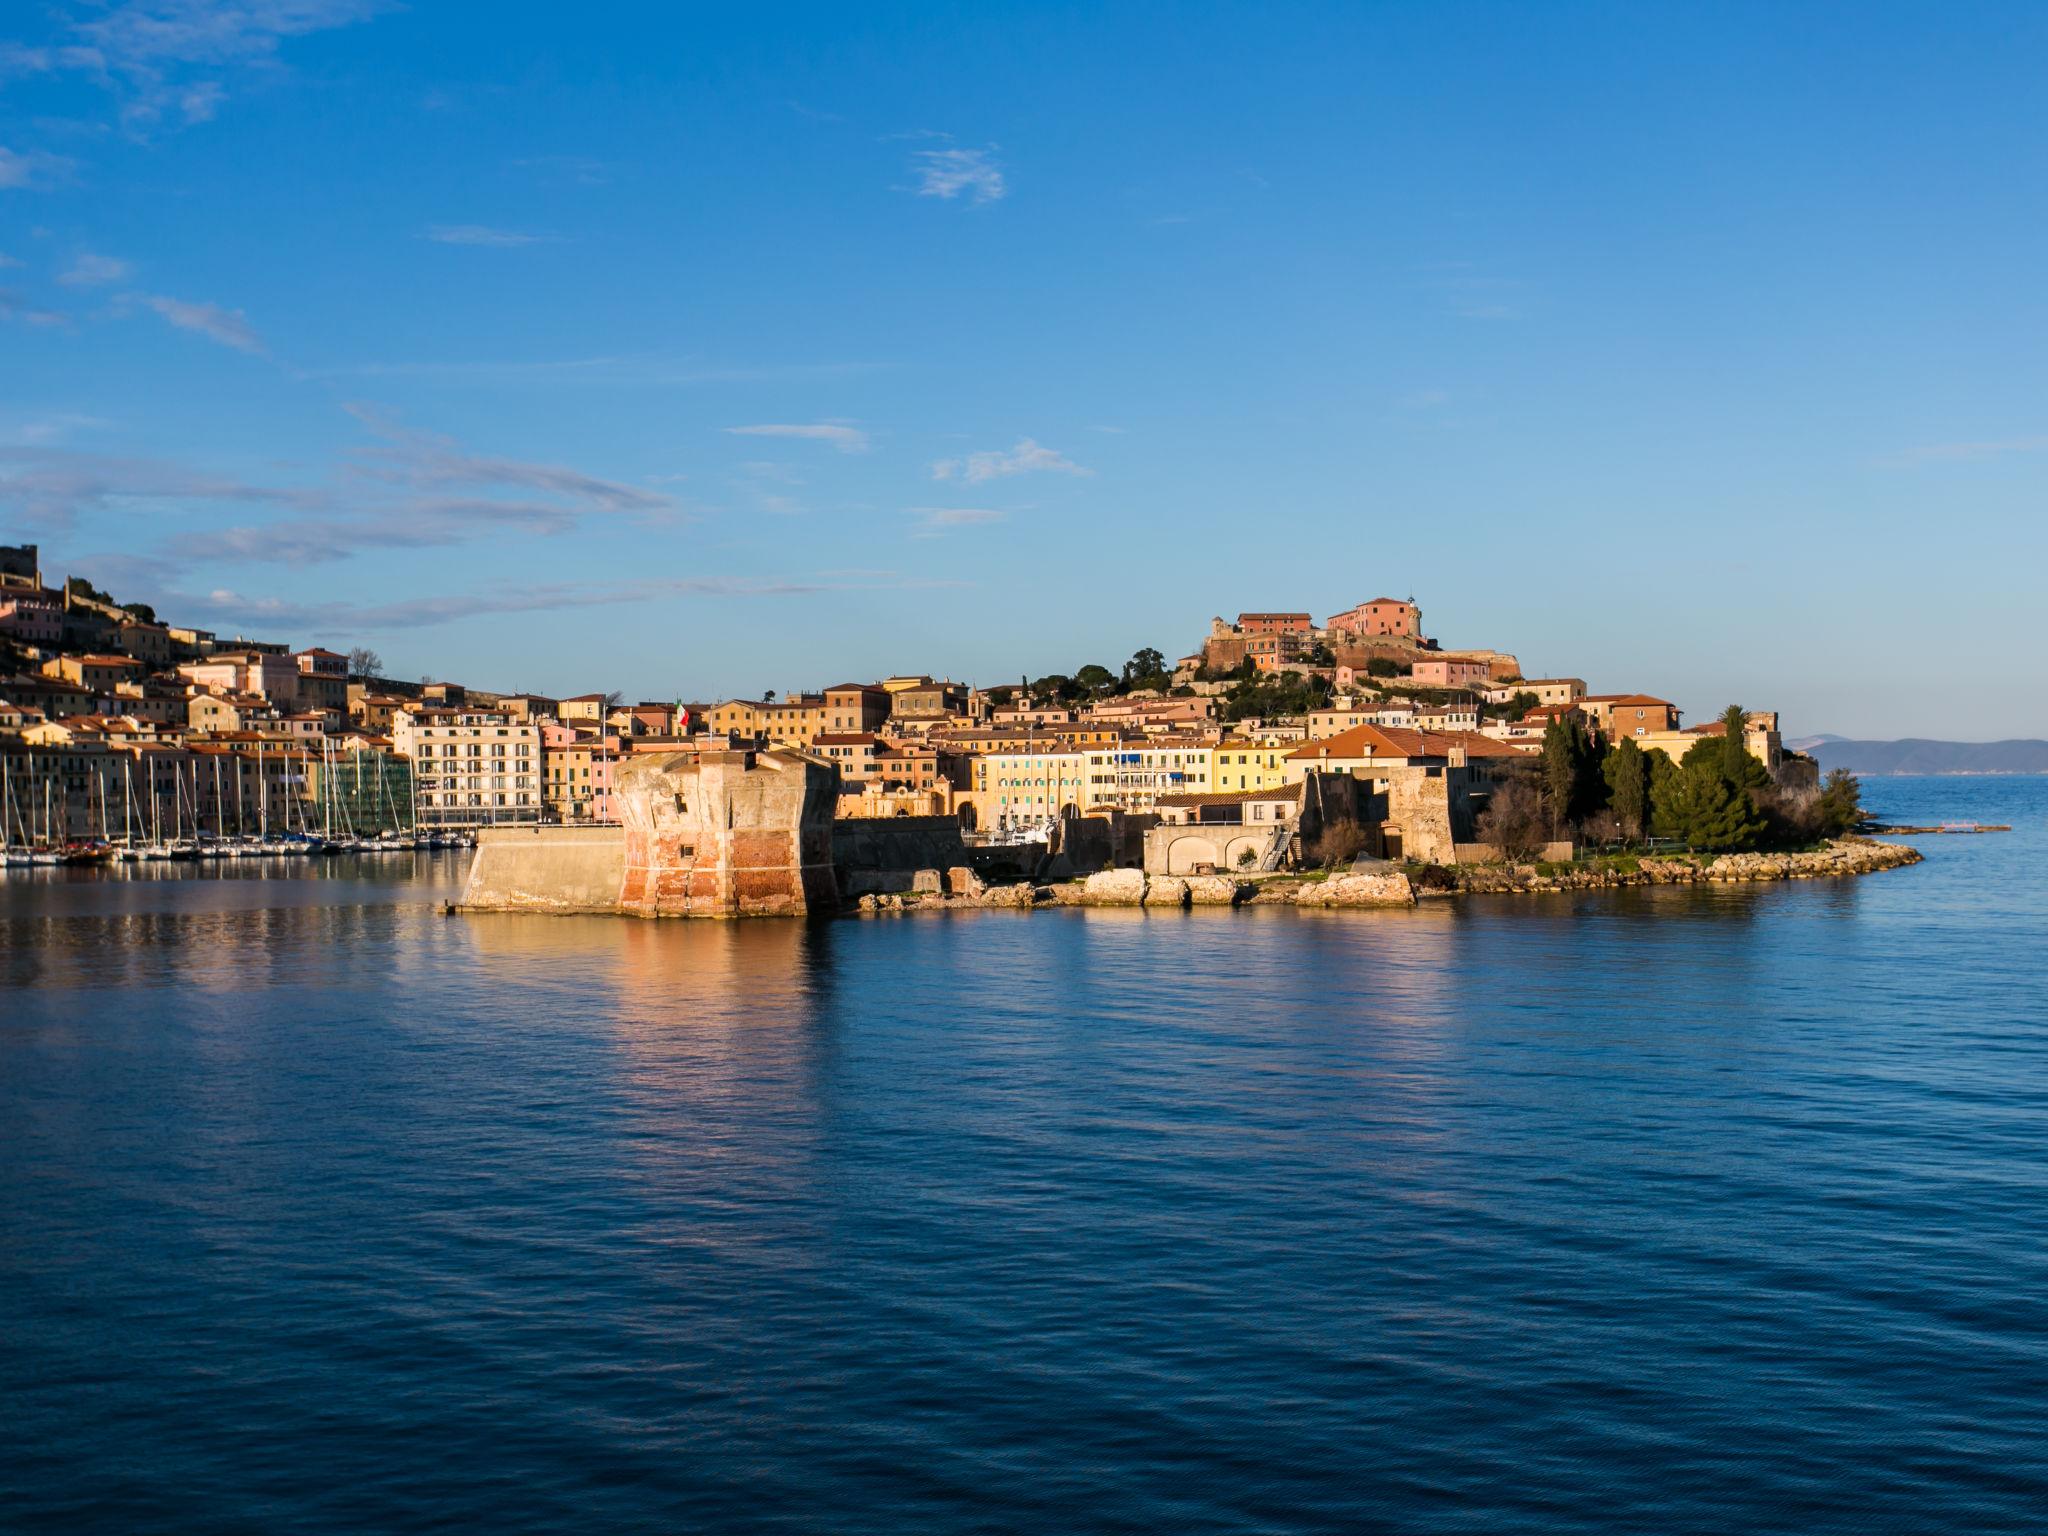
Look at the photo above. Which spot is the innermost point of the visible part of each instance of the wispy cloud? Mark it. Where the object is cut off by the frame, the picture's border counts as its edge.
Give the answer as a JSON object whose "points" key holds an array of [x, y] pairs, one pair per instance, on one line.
{"points": [[14, 306], [91, 271], [229, 327], [951, 173], [1027, 457], [846, 439], [1993, 448], [608, 372], [166, 57], [936, 522], [485, 235], [426, 461], [10, 261], [323, 619], [580, 170], [51, 488], [31, 170]]}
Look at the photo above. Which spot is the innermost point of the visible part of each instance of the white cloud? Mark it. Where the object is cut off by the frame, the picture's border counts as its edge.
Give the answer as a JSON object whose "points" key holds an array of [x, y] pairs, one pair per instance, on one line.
{"points": [[200, 102], [21, 172], [934, 522], [10, 261], [226, 326], [483, 234], [90, 271], [948, 173], [146, 52], [846, 439], [995, 464]]}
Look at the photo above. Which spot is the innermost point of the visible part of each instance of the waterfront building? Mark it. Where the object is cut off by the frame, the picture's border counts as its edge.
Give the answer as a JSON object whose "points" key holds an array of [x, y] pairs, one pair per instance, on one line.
{"points": [[576, 773], [472, 767], [1130, 774], [1026, 786]]}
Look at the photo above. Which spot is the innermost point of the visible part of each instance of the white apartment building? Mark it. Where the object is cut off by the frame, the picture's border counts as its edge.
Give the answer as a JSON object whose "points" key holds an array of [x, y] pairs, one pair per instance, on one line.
{"points": [[471, 767], [1132, 774]]}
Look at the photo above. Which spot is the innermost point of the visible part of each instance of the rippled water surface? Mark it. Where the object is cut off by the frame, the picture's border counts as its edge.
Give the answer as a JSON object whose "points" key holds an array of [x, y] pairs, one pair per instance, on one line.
{"points": [[1715, 1210]]}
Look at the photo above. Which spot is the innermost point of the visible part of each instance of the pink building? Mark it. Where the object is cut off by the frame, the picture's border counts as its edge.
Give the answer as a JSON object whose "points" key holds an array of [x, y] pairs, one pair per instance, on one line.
{"points": [[1381, 616], [32, 616], [1451, 672]]}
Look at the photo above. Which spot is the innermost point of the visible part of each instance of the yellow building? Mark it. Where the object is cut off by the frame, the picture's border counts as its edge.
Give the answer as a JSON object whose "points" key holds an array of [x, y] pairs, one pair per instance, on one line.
{"points": [[1249, 764], [1020, 788]]}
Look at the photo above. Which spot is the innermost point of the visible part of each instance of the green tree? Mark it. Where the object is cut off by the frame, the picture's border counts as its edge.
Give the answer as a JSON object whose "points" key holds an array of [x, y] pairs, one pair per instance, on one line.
{"points": [[1736, 763], [1380, 666], [1145, 669], [1627, 772], [1841, 802], [1703, 807], [1094, 679], [1570, 772]]}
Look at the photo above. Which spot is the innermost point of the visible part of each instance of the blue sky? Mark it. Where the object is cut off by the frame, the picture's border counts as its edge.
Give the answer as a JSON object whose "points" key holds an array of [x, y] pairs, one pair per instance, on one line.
{"points": [[1691, 349]]}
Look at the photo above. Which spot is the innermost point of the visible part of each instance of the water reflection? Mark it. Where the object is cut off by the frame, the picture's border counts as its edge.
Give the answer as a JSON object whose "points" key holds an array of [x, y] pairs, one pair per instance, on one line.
{"points": [[346, 1214]]}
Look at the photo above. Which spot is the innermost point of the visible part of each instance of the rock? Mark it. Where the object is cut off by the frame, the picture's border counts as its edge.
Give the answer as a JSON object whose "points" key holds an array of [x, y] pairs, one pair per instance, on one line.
{"points": [[962, 881], [1217, 891], [1022, 897], [1387, 890], [1114, 888], [926, 882], [1166, 891]]}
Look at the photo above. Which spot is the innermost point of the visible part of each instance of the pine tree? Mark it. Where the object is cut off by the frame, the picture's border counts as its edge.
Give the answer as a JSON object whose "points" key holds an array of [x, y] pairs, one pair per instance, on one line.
{"points": [[1841, 802], [1702, 806], [1737, 766], [1627, 772]]}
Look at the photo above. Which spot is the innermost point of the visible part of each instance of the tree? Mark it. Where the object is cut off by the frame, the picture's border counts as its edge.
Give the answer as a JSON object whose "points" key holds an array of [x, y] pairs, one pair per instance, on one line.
{"points": [[1054, 687], [767, 696], [143, 612], [1627, 772], [1095, 679], [1737, 766], [1513, 820], [1841, 802], [1380, 666], [1568, 769], [364, 662], [1144, 666], [1703, 807]]}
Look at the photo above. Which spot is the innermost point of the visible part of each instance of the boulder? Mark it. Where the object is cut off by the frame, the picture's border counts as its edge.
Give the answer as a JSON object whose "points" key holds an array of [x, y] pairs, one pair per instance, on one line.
{"points": [[1387, 890], [1166, 891], [1114, 888], [1217, 891], [926, 882], [962, 881]]}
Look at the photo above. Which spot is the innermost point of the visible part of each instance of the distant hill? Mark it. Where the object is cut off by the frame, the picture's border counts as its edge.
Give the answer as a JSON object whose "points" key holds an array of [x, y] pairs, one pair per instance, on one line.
{"points": [[1919, 755]]}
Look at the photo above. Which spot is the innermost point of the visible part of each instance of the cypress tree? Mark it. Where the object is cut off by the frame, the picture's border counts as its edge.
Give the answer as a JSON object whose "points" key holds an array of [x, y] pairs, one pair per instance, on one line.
{"points": [[1627, 772]]}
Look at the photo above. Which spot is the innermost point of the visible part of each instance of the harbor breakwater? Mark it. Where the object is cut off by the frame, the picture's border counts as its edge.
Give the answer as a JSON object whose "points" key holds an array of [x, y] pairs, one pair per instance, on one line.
{"points": [[940, 891]]}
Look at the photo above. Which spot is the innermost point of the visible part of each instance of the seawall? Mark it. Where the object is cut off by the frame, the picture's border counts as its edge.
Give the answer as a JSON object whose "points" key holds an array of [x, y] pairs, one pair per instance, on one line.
{"points": [[547, 869]]}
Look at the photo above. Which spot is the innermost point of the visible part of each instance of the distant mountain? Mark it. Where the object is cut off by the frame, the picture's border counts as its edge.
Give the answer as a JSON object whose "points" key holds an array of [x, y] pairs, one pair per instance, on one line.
{"points": [[1918, 755]]}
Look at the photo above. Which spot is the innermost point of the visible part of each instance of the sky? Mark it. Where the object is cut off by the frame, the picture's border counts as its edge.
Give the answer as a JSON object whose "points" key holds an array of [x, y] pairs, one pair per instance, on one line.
{"points": [[694, 351]]}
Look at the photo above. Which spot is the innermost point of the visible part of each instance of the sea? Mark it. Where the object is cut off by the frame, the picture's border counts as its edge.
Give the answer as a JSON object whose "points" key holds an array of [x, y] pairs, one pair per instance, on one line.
{"points": [[1718, 1209]]}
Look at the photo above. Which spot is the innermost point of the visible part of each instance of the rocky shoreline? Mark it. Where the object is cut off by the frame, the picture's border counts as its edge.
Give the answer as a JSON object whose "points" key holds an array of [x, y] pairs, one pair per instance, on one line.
{"points": [[961, 889]]}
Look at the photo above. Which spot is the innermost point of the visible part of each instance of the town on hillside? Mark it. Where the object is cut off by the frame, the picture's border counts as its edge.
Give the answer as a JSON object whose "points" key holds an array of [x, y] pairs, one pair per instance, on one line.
{"points": [[1277, 742]]}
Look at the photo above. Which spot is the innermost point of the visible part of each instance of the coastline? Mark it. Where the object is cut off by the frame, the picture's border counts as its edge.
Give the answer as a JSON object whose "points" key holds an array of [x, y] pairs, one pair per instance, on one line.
{"points": [[1394, 888]]}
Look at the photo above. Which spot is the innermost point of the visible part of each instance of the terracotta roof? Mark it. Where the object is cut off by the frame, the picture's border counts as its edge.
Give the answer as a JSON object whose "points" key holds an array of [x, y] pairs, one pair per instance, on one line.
{"points": [[1636, 699], [1399, 741], [1233, 797]]}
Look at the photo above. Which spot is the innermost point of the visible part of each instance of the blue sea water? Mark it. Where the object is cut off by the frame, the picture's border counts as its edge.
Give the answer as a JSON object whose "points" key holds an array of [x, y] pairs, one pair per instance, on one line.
{"points": [[1673, 1210]]}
